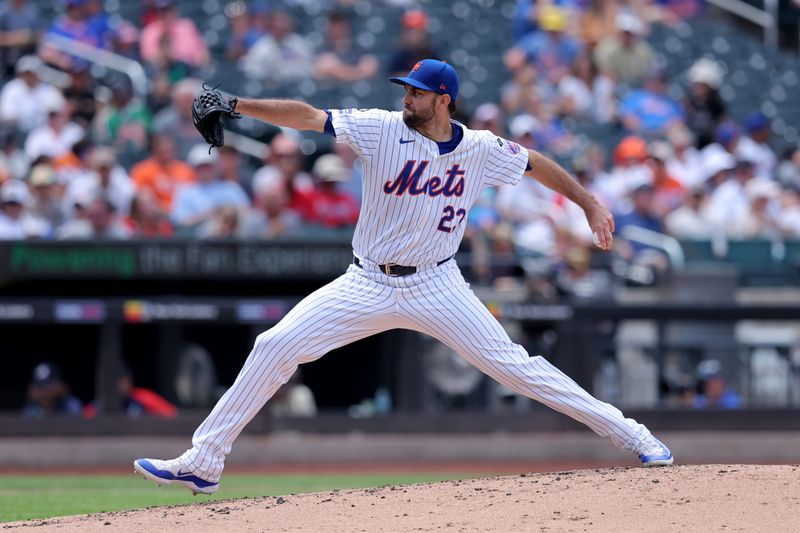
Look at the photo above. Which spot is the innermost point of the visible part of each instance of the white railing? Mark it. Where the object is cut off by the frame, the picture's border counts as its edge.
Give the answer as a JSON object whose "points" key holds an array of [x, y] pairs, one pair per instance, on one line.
{"points": [[136, 73], [766, 18], [132, 69], [669, 245]]}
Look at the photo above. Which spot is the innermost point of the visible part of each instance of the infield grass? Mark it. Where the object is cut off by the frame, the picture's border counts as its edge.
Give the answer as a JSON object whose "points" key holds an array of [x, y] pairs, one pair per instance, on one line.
{"points": [[24, 497]]}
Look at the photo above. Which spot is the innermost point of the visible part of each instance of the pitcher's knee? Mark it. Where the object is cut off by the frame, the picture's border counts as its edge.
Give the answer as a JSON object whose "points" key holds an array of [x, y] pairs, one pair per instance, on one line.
{"points": [[273, 344]]}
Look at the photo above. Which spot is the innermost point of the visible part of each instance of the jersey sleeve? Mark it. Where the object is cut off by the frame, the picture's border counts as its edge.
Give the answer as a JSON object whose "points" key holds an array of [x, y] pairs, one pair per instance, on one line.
{"points": [[359, 128], [507, 161]]}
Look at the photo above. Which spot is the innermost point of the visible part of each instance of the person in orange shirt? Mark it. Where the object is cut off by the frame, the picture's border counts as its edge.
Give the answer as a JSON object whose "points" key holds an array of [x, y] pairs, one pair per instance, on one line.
{"points": [[162, 172]]}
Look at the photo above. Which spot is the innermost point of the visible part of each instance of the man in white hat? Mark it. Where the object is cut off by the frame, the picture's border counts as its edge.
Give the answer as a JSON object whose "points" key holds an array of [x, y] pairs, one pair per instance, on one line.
{"points": [[23, 100], [16, 221], [326, 205]]}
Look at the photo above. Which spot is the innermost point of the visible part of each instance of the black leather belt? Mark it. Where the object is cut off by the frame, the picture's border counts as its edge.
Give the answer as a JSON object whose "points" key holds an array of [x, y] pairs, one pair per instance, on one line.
{"points": [[394, 270]]}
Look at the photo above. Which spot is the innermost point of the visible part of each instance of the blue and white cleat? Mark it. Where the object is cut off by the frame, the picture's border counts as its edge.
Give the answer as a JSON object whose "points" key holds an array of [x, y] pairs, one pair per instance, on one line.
{"points": [[173, 472], [653, 452]]}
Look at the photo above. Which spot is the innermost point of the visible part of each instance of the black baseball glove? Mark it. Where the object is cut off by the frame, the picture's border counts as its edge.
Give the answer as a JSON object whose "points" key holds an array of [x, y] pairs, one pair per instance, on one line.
{"points": [[208, 108]]}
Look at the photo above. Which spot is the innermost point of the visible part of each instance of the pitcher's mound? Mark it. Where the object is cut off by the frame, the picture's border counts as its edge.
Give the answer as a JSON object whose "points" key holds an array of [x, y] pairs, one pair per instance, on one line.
{"points": [[680, 498]]}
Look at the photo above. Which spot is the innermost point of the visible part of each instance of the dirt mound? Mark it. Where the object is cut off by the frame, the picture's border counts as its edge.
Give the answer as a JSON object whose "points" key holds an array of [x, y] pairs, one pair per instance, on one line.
{"points": [[681, 498]]}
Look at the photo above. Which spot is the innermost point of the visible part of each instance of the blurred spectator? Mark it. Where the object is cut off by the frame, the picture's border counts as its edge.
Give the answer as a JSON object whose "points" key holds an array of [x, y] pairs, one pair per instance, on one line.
{"points": [[790, 213], [270, 216], [162, 172], [172, 38], [788, 171], [12, 159], [726, 138], [195, 203], [280, 57], [20, 29], [414, 43], [105, 178], [598, 21], [642, 214], [147, 218], [80, 93], [529, 208], [55, 138], [626, 56], [685, 165], [73, 24], [16, 221], [525, 19], [729, 200], [99, 22], [224, 223], [353, 184], [101, 222], [703, 105], [712, 390], [23, 100], [488, 116], [520, 93], [690, 220], [551, 51], [523, 129], [176, 118], [716, 169], [125, 40], [669, 192], [754, 146], [585, 93], [650, 110], [136, 401], [326, 205], [245, 30], [283, 165], [760, 220], [47, 195], [71, 164], [576, 279], [126, 122], [340, 58], [48, 394], [231, 167], [482, 222], [629, 171]]}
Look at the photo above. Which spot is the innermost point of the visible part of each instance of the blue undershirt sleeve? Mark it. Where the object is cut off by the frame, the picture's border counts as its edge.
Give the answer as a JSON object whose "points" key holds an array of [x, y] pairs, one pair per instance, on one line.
{"points": [[329, 125]]}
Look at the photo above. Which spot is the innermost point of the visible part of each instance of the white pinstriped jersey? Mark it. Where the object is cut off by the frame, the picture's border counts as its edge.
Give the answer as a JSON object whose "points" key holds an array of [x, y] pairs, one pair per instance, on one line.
{"points": [[415, 201]]}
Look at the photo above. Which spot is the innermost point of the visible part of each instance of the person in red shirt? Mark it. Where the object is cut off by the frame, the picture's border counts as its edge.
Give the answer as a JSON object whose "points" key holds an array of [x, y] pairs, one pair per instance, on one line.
{"points": [[325, 205]]}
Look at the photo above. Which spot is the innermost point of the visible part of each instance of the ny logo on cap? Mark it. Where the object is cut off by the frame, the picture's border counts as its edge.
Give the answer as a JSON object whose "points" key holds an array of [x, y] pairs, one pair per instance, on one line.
{"points": [[417, 66]]}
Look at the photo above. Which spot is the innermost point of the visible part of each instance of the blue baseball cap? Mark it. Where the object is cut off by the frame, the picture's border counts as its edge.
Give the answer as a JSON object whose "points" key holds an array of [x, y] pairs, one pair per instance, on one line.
{"points": [[756, 121], [432, 75]]}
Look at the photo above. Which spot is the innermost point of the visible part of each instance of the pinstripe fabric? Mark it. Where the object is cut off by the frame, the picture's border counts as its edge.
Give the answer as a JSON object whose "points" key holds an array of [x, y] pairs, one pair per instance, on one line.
{"points": [[402, 224], [456, 317], [412, 228], [436, 301], [348, 309]]}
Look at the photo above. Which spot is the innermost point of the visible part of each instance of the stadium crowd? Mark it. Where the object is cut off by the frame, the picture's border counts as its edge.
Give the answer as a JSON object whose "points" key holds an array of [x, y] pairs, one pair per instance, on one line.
{"points": [[95, 160]]}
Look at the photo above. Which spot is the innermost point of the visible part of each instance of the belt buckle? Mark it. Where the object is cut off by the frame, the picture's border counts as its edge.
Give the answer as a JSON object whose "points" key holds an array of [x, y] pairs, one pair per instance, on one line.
{"points": [[389, 269]]}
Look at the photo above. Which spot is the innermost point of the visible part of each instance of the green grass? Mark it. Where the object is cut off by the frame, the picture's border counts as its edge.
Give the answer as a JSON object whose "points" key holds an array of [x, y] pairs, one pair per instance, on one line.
{"points": [[24, 497]]}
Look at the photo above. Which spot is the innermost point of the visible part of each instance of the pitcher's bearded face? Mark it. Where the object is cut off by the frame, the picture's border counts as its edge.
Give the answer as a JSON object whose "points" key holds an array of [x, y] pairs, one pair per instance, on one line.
{"points": [[419, 106]]}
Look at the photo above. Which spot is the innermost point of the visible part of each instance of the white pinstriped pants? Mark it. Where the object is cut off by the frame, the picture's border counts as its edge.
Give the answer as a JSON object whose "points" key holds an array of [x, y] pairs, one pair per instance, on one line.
{"points": [[436, 301]]}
